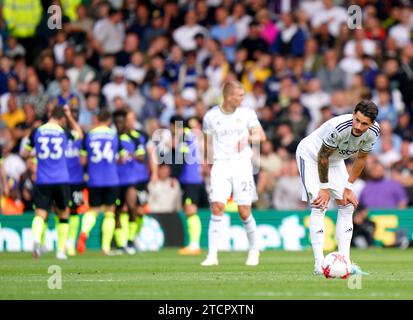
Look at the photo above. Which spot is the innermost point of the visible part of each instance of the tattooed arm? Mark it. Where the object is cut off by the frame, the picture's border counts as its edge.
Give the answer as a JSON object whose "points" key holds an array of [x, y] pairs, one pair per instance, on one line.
{"points": [[322, 162]]}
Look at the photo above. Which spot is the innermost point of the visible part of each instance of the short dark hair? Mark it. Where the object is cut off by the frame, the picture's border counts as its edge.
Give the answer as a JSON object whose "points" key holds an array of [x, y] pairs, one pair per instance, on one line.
{"points": [[121, 113], [57, 113], [104, 115], [368, 108]]}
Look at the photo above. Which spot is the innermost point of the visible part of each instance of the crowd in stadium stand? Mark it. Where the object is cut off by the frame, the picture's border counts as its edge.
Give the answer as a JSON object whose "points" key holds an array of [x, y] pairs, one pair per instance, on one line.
{"points": [[298, 60]]}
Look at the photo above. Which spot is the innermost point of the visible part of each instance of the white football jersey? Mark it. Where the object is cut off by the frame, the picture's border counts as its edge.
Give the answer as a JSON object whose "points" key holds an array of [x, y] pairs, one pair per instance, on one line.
{"points": [[227, 130], [336, 133]]}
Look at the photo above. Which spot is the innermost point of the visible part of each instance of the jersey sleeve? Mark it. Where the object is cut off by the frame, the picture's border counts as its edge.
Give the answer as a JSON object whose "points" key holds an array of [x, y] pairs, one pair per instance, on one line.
{"points": [[368, 144], [253, 121], [331, 137]]}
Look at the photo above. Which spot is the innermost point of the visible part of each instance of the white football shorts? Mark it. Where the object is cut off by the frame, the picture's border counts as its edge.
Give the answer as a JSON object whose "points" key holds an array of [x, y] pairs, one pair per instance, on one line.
{"points": [[337, 178], [233, 176]]}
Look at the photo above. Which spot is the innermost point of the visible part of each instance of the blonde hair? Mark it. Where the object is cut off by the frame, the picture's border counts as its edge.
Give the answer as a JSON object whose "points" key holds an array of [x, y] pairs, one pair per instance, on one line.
{"points": [[230, 86]]}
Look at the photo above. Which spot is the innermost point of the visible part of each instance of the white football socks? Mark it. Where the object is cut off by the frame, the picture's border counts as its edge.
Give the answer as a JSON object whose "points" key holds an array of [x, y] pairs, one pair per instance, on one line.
{"points": [[214, 235], [250, 228], [317, 234], [344, 229]]}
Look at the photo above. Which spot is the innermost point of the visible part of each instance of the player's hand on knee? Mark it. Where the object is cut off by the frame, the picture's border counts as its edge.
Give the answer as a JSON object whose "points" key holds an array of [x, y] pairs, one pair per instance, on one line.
{"points": [[350, 197], [322, 199]]}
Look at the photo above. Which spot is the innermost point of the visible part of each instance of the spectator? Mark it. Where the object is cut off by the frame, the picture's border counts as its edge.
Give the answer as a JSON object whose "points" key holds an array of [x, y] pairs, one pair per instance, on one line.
{"points": [[386, 133], [330, 75], [22, 20], [184, 36], [23, 129], [36, 96], [188, 71], [387, 109], [134, 100], [388, 155], [60, 46], [332, 15], [339, 104], [370, 71], [164, 193], [81, 74], [382, 83], [88, 114], [27, 182], [253, 43], [290, 40], [6, 71], [116, 88], [401, 32], [13, 90], [314, 100], [381, 192], [312, 58], [285, 139], [14, 48], [287, 193], [402, 171], [406, 77], [273, 83], [154, 106], [141, 22], [135, 70], [153, 31], [241, 20], [225, 32], [109, 33], [256, 99], [404, 127], [173, 63], [258, 71], [131, 45], [298, 117], [217, 69], [363, 229], [14, 113], [66, 95], [268, 30], [270, 165], [13, 164], [209, 95]]}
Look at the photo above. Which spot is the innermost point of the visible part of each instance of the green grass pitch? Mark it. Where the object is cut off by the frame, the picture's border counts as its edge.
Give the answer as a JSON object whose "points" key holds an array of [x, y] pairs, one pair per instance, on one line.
{"points": [[166, 275]]}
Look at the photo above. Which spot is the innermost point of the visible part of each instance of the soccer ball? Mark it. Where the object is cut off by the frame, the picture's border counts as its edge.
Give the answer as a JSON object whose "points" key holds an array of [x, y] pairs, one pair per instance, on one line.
{"points": [[335, 265]]}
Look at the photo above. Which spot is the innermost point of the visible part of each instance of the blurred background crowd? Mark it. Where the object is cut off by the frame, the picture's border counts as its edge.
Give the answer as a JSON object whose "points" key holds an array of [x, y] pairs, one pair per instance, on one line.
{"points": [[299, 61]]}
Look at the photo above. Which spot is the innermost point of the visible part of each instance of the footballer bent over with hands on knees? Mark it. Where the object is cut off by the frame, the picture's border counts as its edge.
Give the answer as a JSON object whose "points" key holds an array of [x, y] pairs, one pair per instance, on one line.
{"points": [[320, 158]]}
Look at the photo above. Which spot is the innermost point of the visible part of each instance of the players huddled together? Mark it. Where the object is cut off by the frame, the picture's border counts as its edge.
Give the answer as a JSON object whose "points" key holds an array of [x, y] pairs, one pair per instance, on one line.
{"points": [[114, 162]]}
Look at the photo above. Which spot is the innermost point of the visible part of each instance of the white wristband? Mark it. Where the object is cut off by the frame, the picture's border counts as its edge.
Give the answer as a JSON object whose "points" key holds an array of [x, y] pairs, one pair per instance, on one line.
{"points": [[349, 185], [324, 185]]}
